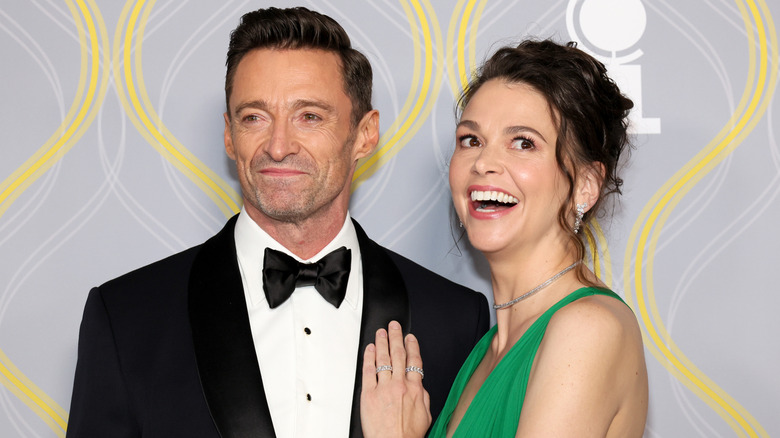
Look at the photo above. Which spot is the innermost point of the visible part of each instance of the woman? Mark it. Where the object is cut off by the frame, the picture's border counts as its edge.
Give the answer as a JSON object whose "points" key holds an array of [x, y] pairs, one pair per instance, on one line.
{"points": [[538, 142]]}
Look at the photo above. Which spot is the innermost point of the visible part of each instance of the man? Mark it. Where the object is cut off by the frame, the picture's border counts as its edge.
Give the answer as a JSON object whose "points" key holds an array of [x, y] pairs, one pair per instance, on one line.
{"points": [[209, 342]]}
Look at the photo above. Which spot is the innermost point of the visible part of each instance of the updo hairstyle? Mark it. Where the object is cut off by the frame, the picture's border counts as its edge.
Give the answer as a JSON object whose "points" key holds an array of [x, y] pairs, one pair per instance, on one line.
{"points": [[588, 110]]}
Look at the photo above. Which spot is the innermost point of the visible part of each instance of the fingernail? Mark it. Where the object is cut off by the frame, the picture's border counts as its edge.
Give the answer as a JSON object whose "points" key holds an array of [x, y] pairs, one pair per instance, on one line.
{"points": [[370, 348], [394, 325], [381, 333]]}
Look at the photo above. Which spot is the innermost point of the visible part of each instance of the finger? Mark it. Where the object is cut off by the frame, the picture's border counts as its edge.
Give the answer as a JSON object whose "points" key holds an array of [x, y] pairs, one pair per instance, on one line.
{"points": [[413, 358], [369, 367], [382, 355], [397, 349]]}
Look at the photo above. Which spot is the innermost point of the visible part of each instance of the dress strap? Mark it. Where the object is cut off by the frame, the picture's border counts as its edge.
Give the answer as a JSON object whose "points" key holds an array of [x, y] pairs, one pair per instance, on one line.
{"points": [[582, 293]]}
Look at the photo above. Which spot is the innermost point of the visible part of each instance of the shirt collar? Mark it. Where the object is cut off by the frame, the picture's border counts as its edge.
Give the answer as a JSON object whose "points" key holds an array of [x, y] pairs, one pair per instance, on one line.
{"points": [[251, 242]]}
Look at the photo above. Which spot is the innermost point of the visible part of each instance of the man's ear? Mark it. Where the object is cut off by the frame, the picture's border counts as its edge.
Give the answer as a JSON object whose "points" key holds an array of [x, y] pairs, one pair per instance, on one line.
{"points": [[589, 183], [229, 149], [367, 135]]}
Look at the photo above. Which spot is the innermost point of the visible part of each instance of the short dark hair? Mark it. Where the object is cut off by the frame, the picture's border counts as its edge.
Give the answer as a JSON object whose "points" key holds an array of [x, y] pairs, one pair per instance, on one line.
{"points": [[301, 28], [592, 114]]}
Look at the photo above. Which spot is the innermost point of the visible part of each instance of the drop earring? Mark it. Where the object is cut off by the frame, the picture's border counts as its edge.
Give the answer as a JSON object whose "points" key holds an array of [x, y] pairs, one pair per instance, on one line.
{"points": [[578, 216]]}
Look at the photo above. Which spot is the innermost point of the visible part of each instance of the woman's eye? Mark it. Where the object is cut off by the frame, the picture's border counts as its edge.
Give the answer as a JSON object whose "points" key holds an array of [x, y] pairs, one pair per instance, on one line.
{"points": [[523, 143], [469, 141]]}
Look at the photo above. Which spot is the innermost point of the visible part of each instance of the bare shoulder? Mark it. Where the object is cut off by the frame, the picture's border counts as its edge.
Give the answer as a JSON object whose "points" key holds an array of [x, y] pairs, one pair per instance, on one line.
{"points": [[598, 332], [600, 319], [589, 376]]}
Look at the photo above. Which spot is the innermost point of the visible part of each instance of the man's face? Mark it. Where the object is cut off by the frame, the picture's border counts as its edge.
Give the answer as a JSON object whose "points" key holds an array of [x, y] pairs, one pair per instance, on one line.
{"points": [[288, 129]]}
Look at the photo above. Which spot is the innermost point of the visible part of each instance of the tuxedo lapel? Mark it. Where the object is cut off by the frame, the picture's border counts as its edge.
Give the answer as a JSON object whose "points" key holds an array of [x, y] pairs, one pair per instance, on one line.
{"points": [[225, 351], [384, 299], [224, 348]]}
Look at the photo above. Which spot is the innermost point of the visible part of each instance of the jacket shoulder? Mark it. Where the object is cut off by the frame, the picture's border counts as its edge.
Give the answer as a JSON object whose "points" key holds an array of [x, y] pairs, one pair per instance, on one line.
{"points": [[169, 270], [416, 275], [173, 271]]}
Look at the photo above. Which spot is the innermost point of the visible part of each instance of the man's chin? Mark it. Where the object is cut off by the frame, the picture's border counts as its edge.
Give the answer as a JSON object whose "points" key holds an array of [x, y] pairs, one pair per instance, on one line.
{"points": [[284, 212]]}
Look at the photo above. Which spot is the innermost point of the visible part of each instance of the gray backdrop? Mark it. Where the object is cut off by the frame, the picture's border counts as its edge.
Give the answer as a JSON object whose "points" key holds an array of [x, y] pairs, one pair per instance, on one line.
{"points": [[112, 157]]}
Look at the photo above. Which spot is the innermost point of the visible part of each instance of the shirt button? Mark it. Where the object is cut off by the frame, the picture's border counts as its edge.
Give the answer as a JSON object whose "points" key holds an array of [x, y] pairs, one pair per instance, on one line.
{"points": [[308, 397], [307, 330]]}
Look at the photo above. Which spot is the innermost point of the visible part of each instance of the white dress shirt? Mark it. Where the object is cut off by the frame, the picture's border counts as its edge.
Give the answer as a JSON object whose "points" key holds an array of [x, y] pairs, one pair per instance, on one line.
{"points": [[307, 349]]}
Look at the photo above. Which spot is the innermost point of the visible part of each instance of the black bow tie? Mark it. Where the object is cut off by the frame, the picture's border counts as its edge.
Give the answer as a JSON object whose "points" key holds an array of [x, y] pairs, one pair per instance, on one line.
{"points": [[282, 274]]}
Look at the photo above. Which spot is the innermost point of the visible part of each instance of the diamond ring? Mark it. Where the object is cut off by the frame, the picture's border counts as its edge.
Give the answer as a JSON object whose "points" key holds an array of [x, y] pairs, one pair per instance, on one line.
{"points": [[416, 370], [384, 368]]}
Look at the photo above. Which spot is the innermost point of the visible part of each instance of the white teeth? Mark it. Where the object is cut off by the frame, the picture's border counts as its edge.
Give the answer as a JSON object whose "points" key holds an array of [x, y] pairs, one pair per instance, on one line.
{"points": [[504, 198]]}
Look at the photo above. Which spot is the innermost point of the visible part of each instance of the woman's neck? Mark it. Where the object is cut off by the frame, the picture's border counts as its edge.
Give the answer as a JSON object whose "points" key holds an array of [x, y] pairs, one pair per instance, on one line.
{"points": [[522, 272]]}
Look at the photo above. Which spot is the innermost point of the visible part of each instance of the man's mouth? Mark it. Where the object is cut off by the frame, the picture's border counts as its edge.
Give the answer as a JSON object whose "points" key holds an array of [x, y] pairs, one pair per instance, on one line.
{"points": [[490, 201]]}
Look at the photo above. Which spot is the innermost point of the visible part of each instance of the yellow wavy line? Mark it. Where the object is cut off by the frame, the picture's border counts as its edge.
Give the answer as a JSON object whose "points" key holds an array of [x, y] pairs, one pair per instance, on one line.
{"points": [[457, 72], [410, 95], [419, 112], [408, 103], [233, 198], [55, 148], [473, 37], [435, 88], [456, 82], [459, 78], [25, 390], [63, 138], [461, 49], [226, 199], [677, 197], [725, 142]]}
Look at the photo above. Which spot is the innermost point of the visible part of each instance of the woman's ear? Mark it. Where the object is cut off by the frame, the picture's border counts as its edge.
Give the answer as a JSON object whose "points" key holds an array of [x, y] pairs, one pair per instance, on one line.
{"points": [[589, 184]]}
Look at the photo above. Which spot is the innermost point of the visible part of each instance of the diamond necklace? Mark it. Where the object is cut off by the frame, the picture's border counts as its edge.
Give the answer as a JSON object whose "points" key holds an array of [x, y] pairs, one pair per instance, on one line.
{"points": [[537, 288]]}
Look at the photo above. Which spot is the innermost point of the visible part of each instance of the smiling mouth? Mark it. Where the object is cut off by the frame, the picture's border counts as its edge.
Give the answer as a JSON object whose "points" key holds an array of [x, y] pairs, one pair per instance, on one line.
{"points": [[280, 171], [490, 201]]}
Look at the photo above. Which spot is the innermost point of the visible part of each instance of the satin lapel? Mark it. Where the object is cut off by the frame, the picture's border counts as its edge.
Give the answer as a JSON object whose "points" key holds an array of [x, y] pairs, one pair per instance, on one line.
{"points": [[225, 351], [384, 299]]}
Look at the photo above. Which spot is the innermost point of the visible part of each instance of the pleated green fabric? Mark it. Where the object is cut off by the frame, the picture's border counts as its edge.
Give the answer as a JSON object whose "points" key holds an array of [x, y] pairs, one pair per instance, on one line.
{"points": [[495, 410]]}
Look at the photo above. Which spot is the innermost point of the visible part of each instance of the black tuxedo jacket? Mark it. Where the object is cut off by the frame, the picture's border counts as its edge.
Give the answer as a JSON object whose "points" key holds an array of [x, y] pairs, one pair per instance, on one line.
{"points": [[166, 350]]}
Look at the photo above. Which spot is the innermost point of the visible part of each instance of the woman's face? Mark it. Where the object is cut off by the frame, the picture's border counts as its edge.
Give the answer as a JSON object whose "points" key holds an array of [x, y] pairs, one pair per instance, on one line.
{"points": [[506, 185]]}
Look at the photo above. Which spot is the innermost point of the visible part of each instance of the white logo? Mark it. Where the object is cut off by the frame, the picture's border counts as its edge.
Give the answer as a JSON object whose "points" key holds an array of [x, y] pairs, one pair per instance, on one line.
{"points": [[614, 26]]}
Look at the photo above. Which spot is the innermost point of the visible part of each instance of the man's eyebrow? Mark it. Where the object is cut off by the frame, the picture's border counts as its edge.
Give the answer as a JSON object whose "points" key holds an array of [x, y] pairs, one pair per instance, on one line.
{"points": [[257, 104], [303, 103], [298, 104]]}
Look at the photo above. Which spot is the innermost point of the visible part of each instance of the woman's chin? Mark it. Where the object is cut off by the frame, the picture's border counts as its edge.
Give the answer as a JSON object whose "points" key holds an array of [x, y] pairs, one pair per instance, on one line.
{"points": [[487, 243]]}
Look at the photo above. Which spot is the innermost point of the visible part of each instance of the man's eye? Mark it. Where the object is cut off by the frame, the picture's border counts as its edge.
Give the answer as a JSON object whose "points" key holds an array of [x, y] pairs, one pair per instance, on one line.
{"points": [[311, 117]]}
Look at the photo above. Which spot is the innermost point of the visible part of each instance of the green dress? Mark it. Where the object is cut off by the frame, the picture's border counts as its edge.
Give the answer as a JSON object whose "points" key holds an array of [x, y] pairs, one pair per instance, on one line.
{"points": [[495, 409]]}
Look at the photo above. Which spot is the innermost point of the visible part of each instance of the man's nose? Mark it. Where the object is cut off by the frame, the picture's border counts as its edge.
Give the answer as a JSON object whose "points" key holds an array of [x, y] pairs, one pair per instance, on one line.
{"points": [[282, 142]]}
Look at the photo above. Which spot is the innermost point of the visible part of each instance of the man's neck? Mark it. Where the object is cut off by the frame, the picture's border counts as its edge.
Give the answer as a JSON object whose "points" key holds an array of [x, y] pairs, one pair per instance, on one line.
{"points": [[305, 238]]}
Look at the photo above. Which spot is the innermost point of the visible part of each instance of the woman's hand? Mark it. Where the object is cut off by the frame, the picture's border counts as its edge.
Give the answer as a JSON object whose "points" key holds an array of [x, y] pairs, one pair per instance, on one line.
{"points": [[393, 402]]}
